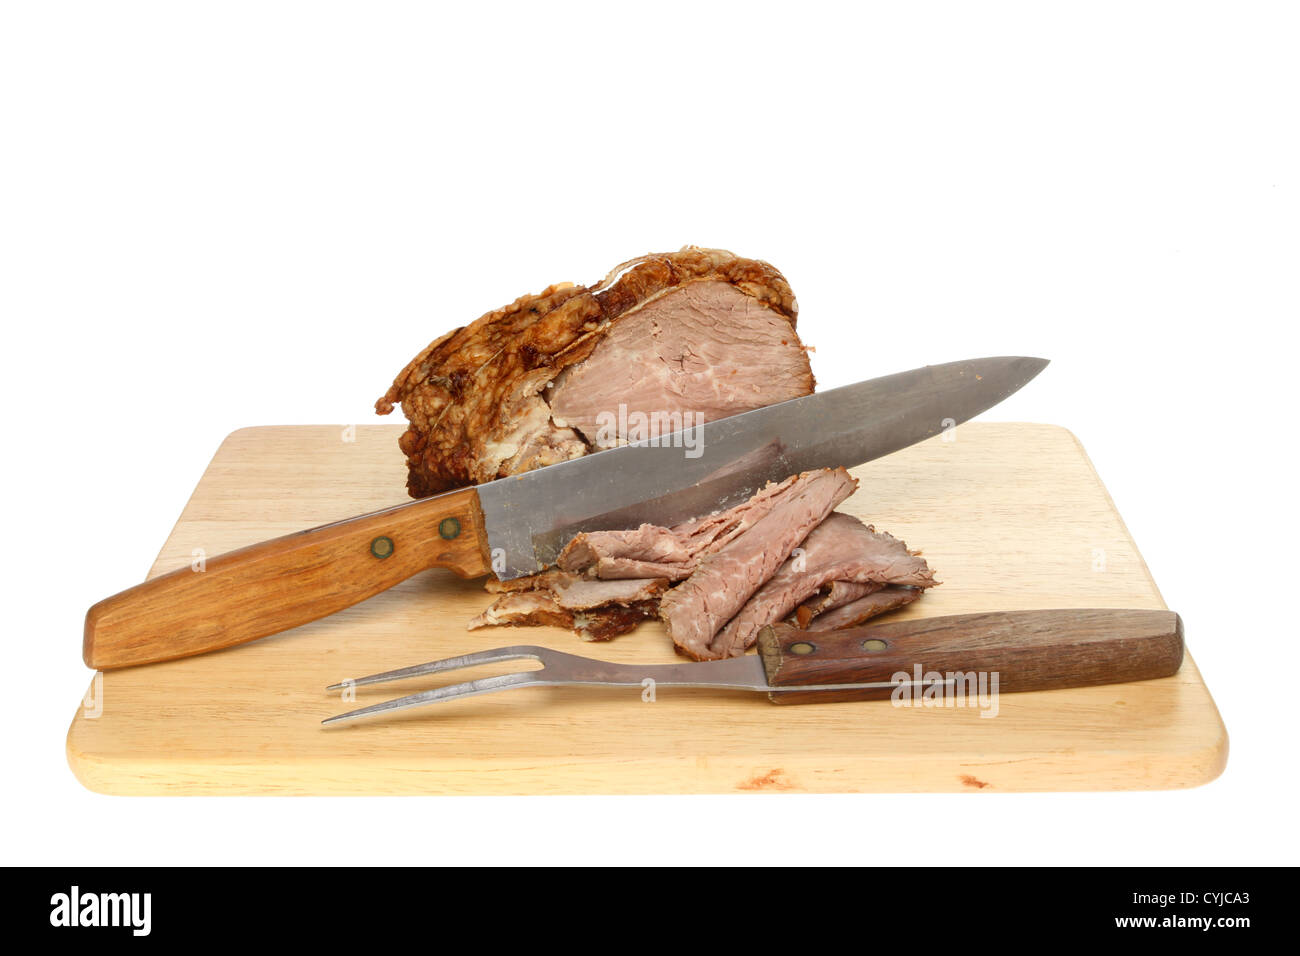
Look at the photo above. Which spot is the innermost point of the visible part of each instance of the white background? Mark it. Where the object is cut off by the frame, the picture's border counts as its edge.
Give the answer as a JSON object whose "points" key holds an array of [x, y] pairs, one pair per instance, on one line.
{"points": [[230, 214]]}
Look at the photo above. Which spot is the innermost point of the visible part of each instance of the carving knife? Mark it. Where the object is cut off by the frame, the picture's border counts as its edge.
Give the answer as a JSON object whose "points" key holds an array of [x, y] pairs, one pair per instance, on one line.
{"points": [[517, 525]]}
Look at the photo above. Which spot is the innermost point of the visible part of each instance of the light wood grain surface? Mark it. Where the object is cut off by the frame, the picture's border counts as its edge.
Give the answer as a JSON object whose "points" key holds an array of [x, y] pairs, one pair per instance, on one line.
{"points": [[1012, 516]]}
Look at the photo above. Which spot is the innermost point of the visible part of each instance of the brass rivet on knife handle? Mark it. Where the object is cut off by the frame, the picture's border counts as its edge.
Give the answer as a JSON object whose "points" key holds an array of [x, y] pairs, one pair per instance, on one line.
{"points": [[278, 584], [1028, 650]]}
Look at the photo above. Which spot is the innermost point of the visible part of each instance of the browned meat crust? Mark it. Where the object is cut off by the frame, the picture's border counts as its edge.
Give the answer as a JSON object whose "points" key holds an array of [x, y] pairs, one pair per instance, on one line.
{"points": [[475, 398], [531, 608], [595, 610], [607, 623]]}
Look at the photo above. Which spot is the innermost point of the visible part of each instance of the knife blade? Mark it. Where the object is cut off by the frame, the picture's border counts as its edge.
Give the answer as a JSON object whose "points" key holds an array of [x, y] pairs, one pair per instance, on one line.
{"points": [[517, 525], [529, 522]]}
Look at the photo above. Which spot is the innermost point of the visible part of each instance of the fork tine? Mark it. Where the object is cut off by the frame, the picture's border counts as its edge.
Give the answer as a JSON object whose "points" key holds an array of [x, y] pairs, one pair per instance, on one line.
{"points": [[484, 685], [517, 652]]}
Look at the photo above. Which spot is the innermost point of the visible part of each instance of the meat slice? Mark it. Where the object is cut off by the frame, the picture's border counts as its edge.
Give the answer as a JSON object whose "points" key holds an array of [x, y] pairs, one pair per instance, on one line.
{"points": [[550, 377], [607, 623], [711, 533], [532, 582], [585, 594], [613, 569], [698, 608], [833, 595], [574, 592], [531, 608], [595, 610], [864, 608], [841, 548], [653, 551], [649, 544]]}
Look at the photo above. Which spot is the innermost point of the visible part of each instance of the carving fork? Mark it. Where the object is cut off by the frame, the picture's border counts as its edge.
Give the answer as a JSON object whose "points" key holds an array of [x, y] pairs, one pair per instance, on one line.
{"points": [[1027, 650]]}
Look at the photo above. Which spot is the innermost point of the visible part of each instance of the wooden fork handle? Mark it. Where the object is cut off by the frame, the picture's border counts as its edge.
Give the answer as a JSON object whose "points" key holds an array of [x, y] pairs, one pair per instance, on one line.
{"points": [[1028, 650], [278, 584]]}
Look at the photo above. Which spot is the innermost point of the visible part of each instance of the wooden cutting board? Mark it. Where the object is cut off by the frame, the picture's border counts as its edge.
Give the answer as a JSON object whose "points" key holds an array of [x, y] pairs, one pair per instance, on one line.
{"points": [[1011, 516]]}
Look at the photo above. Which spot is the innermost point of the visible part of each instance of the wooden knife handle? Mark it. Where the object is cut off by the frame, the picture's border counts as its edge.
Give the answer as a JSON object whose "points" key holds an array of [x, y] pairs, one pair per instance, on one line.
{"points": [[1029, 650], [278, 584]]}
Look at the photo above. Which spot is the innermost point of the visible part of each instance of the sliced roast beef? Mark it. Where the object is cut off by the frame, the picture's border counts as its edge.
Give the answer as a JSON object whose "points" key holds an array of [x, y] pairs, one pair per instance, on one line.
{"points": [[700, 333], [575, 592], [607, 623], [710, 533], [782, 550], [695, 610], [595, 610], [524, 608], [532, 582], [652, 551], [585, 594], [841, 548], [613, 569], [864, 608], [833, 595], [648, 544]]}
